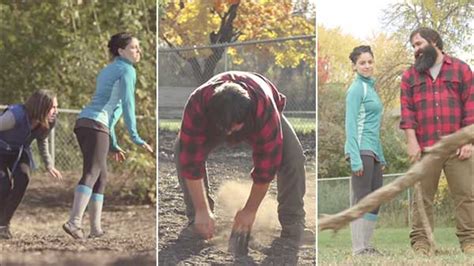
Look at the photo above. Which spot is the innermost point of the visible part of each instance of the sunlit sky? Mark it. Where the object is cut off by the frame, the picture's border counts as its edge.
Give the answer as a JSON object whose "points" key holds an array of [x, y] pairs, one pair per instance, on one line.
{"points": [[360, 18]]}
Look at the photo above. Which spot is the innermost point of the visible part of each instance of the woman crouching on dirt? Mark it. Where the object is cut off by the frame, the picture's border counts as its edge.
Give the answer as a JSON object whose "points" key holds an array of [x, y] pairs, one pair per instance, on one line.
{"points": [[363, 147], [20, 124], [94, 129]]}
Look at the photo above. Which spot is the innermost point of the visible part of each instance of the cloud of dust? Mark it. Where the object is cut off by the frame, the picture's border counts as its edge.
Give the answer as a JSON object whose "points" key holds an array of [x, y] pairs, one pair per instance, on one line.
{"points": [[231, 197], [310, 200]]}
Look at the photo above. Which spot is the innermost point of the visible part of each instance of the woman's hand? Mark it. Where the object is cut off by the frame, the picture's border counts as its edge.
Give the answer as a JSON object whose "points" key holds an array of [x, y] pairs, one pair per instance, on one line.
{"points": [[118, 155], [359, 172], [55, 173], [148, 147]]}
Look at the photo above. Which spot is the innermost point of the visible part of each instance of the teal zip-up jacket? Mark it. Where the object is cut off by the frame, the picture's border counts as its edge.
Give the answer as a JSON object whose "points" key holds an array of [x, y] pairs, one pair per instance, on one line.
{"points": [[114, 95], [363, 119]]}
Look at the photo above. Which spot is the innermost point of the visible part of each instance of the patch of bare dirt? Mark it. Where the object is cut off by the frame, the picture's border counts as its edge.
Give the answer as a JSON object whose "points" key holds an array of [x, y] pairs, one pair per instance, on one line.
{"points": [[38, 238]]}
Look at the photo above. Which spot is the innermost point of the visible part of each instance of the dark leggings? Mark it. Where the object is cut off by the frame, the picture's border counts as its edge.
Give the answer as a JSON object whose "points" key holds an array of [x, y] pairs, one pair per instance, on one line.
{"points": [[371, 180], [94, 146], [12, 187]]}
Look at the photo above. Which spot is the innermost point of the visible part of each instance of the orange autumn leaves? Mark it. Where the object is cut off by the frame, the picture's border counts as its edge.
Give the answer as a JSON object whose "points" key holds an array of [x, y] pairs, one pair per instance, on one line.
{"points": [[191, 23]]}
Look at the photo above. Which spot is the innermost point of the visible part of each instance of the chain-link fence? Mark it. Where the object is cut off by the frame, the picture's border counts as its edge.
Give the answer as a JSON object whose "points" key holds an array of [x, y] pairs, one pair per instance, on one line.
{"points": [[334, 196], [183, 69], [63, 145]]}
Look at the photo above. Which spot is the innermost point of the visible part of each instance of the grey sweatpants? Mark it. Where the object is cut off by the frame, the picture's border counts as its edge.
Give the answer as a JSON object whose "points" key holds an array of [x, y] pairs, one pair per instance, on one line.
{"points": [[291, 180]]}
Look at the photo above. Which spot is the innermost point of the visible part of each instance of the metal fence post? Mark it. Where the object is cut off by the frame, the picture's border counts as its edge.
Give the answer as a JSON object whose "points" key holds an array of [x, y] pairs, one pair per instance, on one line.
{"points": [[52, 147], [409, 206], [350, 191], [226, 67]]}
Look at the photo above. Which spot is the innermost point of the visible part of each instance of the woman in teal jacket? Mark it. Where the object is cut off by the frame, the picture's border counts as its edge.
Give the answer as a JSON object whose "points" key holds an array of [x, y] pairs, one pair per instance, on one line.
{"points": [[363, 147], [94, 129]]}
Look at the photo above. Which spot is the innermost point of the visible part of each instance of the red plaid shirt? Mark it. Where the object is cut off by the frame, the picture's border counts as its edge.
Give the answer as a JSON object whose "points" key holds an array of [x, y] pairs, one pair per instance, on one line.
{"points": [[262, 129], [435, 108]]}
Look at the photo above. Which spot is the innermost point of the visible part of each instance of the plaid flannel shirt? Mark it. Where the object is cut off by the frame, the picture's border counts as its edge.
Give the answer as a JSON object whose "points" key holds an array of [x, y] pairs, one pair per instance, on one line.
{"points": [[262, 128], [439, 107]]}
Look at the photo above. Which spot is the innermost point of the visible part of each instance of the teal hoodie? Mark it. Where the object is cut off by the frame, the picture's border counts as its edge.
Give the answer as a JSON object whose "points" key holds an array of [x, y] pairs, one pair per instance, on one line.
{"points": [[363, 119], [114, 95]]}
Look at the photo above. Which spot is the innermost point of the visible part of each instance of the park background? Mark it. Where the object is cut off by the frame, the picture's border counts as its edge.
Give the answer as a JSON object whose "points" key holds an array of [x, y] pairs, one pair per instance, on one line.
{"points": [[385, 26], [61, 45]]}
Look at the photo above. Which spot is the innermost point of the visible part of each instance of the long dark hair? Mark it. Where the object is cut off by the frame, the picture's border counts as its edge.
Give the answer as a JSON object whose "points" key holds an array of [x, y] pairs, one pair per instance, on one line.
{"points": [[38, 106]]}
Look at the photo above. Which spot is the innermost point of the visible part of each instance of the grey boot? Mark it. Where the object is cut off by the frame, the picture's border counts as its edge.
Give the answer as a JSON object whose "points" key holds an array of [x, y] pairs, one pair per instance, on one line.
{"points": [[298, 234]]}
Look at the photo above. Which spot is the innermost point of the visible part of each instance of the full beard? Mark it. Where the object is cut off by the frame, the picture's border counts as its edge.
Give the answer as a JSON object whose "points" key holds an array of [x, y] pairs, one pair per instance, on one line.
{"points": [[426, 60]]}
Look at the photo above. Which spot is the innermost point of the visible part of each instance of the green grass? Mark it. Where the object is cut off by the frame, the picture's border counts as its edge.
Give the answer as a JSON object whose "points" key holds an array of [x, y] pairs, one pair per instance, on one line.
{"points": [[395, 245], [169, 124], [301, 125]]}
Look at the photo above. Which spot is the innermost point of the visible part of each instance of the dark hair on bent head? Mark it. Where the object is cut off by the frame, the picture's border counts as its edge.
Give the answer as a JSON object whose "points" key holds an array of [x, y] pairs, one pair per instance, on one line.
{"points": [[357, 51], [38, 106], [428, 34], [119, 40], [229, 104]]}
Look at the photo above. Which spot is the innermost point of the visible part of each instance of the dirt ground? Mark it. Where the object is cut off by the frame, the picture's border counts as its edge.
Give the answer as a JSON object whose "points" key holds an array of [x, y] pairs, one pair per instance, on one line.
{"points": [[38, 238], [228, 171]]}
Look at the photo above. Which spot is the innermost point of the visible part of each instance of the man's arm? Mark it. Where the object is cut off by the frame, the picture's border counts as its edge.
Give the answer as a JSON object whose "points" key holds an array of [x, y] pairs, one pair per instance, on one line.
{"points": [[408, 118], [413, 148], [467, 97], [245, 217], [204, 218], [466, 91]]}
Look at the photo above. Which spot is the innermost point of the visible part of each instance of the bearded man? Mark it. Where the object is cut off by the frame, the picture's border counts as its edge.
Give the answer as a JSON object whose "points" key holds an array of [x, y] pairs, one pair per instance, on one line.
{"points": [[437, 99]]}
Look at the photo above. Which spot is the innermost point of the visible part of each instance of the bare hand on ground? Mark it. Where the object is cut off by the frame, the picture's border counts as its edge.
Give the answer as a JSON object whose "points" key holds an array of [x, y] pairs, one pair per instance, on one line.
{"points": [[243, 221], [204, 223], [55, 173]]}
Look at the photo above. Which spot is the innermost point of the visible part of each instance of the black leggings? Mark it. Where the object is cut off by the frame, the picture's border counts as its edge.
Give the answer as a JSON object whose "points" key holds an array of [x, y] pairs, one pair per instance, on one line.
{"points": [[94, 146], [12, 186]]}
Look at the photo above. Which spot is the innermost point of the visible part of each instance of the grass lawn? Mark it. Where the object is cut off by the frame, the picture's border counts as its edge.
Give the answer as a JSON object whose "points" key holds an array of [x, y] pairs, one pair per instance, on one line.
{"points": [[169, 124], [301, 125], [394, 244]]}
